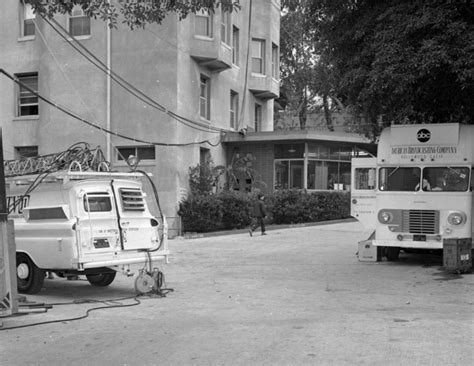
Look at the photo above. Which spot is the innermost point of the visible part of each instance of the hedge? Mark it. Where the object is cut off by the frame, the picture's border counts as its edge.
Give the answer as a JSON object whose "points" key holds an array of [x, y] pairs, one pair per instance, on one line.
{"points": [[231, 210]]}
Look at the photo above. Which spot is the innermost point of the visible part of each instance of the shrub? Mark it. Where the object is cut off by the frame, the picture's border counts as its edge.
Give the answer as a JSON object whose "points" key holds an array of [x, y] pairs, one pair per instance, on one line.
{"points": [[231, 210], [201, 213], [235, 208]]}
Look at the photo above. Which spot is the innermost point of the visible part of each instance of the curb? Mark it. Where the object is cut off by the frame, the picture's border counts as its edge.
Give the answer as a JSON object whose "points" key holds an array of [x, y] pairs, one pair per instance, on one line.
{"points": [[194, 235]]}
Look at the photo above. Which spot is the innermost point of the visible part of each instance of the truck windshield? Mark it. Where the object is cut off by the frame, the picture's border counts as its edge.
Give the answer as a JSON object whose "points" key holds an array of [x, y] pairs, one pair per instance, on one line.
{"points": [[399, 179], [448, 179]]}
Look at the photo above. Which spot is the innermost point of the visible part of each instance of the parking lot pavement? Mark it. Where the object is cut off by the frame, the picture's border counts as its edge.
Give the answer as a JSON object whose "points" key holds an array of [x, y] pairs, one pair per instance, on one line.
{"points": [[293, 297]]}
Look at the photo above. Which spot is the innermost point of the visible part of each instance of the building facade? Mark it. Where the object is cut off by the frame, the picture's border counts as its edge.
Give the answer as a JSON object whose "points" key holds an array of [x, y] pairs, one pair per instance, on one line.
{"points": [[174, 91]]}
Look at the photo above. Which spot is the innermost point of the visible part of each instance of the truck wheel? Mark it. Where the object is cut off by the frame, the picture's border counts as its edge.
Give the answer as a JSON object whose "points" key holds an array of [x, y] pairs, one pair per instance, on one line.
{"points": [[101, 279], [393, 254], [29, 277]]}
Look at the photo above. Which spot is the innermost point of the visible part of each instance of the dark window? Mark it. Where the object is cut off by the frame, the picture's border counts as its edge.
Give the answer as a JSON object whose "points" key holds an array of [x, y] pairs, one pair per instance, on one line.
{"points": [[79, 24], [205, 98], [28, 20], [235, 45], [24, 152], [142, 152], [97, 202], [27, 97], [50, 213]]}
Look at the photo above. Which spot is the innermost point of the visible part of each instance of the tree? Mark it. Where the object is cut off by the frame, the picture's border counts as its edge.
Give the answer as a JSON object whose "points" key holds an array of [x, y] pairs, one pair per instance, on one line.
{"points": [[135, 13], [306, 78], [405, 61]]}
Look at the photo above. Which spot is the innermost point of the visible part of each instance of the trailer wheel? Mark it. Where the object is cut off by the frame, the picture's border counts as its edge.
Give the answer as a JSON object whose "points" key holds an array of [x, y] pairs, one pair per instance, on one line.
{"points": [[30, 278], [393, 254], [101, 279]]}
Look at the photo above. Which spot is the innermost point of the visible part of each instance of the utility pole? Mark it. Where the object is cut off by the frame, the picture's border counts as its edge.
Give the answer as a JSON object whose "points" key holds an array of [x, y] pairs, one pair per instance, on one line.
{"points": [[8, 289]]}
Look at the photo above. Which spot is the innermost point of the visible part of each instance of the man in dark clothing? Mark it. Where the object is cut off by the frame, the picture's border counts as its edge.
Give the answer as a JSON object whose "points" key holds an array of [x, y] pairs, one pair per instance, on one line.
{"points": [[259, 212]]}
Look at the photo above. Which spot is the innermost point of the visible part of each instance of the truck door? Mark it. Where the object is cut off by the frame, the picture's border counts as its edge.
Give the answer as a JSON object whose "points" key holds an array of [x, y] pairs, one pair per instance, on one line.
{"points": [[139, 229], [363, 189]]}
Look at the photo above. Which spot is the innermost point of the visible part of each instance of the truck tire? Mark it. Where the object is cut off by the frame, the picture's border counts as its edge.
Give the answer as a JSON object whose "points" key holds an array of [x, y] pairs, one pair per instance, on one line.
{"points": [[101, 279], [29, 277], [392, 253]]}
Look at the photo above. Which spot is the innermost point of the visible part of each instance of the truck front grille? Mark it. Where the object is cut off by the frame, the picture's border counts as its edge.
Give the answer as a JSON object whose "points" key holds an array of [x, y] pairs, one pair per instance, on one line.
{"points": [[420, 221], [132, 199]]}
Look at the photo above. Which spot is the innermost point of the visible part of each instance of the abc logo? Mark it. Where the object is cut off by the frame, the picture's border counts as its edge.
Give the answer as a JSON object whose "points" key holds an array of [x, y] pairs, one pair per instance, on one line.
{"points": [[423, 135]]}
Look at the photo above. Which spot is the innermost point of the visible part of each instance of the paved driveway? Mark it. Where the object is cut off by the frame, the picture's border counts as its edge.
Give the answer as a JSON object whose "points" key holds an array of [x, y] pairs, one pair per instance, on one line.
{"points": [[293, 297]]}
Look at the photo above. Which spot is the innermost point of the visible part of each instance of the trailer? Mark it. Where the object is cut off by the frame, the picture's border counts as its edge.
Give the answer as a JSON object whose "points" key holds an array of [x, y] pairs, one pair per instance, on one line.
{"points": [[416, 194]]}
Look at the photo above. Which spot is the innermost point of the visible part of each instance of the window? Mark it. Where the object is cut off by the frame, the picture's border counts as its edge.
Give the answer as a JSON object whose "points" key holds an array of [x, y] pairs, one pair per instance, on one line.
{"points": [[203, 24], [225, 27], [324, 170], [399, 179], [258, 117], [258, 56], [205, 98], [24, 152], [141, 152], [364, 178], [27, 99], [47, 213], [234, 109], [28, 19], [235, 45], [275, 66], [451, 179], [97, 202], [79, 23]]}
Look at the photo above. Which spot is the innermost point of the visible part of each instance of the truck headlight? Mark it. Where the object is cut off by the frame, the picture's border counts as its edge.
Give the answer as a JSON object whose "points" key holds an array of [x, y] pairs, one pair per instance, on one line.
{"points": [[385, 217], [456, 218]]}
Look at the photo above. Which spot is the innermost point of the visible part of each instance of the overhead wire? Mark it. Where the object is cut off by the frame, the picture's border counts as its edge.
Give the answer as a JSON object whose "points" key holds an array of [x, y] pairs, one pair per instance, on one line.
{"points": [[86, 53], [75, 116]]}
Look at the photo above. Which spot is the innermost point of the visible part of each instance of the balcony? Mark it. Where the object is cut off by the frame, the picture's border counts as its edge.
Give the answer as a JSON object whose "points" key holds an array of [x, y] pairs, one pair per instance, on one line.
{"points": [[211, 53], [264, 86]]}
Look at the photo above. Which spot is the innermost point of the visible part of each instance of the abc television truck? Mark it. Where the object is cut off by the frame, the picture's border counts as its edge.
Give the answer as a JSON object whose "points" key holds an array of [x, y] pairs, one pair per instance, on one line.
{"points": [[83, 223], [417, 193]]}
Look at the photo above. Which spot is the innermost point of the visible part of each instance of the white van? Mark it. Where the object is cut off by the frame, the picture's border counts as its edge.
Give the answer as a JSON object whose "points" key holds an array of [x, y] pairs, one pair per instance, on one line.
{"points": [[80, 223]]}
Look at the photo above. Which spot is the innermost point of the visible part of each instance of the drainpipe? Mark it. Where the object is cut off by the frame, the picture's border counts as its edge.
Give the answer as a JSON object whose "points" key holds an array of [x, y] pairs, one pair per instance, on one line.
{"points": [[108, 117]]}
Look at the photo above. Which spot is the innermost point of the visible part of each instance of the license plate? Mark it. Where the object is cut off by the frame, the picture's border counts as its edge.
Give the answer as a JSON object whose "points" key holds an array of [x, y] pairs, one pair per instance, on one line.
{"points": [[419, 237], [101, 243]]}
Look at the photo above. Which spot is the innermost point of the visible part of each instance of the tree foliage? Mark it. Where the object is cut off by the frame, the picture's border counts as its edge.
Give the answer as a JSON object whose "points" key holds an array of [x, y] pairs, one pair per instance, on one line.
{"points": [[134, 13], [405, 61]]}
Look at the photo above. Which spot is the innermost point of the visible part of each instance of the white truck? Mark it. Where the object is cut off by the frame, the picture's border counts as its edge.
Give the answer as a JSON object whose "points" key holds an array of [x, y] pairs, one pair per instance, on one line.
{"points": [[82, 223], [417, 192]]}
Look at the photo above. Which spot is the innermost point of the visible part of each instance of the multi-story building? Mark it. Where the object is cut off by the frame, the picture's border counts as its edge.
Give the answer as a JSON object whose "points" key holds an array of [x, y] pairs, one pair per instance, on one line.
{"points": [[174, 91]]}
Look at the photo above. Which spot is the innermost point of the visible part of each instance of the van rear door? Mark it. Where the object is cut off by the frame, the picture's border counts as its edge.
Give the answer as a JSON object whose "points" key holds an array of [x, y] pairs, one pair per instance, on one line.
{"points": [[139, 229], [99, 230], [363, 189]]}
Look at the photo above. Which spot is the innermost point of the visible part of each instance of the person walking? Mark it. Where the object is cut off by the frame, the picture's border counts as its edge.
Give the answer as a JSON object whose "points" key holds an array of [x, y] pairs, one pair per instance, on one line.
{"points": [[259, 212]]}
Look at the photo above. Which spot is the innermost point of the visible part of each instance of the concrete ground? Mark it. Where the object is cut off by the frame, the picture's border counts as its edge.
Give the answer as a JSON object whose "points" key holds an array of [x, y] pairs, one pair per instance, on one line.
{"points": [[293, 297]]}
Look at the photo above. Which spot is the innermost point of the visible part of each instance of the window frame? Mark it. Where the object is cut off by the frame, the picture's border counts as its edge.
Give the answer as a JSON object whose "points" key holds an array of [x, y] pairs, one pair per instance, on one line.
{"points": [[72, 18], [27, 95], [226, 27], [258, 117], [136, 152], [234, 109], [208, 19], [275, 62], [27, 19], [259, 44], [205, 97], [235, 45], [25, 152]]}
